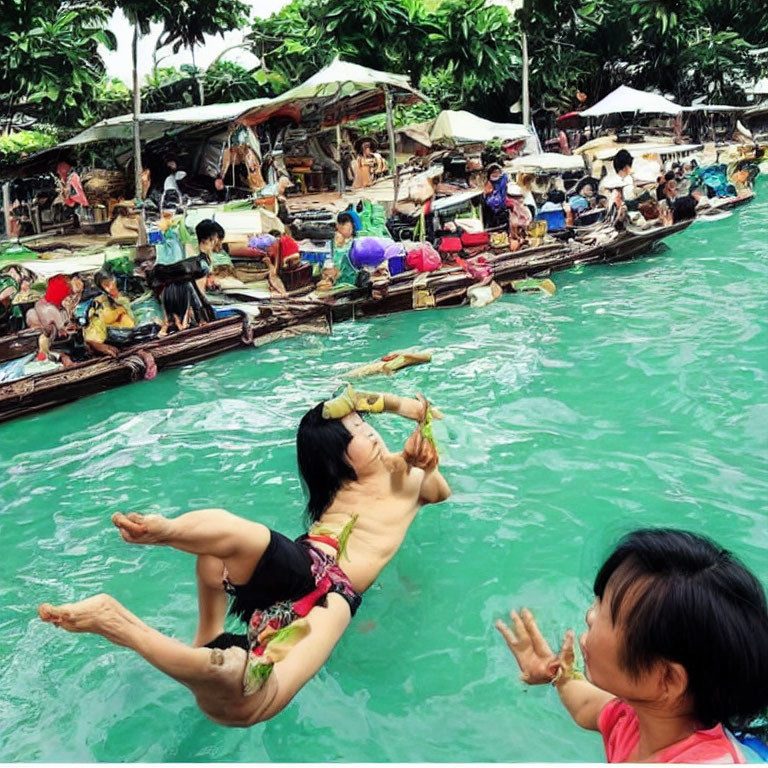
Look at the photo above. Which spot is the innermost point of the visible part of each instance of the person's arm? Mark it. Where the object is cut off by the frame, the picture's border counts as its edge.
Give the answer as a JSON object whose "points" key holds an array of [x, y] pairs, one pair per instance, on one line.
{"points": [[101, 348], [539, 665], [421, 453], [408, 407], [434, 487], [583, 700]]}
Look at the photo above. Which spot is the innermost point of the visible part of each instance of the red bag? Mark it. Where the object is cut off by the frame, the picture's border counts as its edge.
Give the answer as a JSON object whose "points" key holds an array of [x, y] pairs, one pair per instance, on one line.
{"points": [[424, 258], [475, 238], [450, 245]]}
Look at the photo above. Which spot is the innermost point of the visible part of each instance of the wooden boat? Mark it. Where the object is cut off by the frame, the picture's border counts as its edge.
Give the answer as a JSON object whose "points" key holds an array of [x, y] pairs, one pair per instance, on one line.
{"points": [[443, 288], [448, 287], [35, 393]]}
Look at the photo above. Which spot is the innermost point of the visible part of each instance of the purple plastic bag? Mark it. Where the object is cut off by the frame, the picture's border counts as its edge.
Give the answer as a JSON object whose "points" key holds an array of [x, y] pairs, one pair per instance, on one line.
{"points": [[260, 242], [369, 251]]}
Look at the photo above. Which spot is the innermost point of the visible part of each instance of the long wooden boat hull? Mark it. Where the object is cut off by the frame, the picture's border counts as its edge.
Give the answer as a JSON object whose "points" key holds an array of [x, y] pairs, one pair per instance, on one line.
{"points": [[448, 288], [36, 393]]}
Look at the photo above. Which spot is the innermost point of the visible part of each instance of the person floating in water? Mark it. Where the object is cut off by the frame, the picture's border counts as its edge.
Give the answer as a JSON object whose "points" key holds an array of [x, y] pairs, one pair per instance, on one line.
{"points": [[675, 654], [297, 597]]}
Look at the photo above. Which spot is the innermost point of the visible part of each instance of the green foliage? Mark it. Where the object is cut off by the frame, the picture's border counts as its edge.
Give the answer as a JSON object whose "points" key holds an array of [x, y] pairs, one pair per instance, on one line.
{"points": [[49, 61], [15, 146]]}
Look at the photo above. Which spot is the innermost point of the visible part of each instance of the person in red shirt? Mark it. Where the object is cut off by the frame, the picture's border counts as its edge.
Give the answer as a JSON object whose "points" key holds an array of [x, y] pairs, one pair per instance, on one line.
{"points": [[675, 654]]}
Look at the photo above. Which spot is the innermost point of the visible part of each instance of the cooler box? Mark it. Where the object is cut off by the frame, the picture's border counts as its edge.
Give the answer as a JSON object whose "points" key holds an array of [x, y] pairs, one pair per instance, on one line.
{"points": [[555, 219]]}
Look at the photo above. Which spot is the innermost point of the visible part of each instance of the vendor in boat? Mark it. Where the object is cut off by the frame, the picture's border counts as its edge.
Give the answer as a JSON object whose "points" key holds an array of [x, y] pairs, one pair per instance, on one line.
{"points": [[520, 216], [210, 240], [71, 194], [345, 230], [182, 286], [622, 166], [495, 210], [9, 316], [108, 310], [369, 165], [584, 197], [296, 598], [53, 315]]}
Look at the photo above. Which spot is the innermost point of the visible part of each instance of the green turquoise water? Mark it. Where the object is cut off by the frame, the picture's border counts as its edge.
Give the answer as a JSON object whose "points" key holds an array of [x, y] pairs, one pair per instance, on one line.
{"points": [[634, 396]]}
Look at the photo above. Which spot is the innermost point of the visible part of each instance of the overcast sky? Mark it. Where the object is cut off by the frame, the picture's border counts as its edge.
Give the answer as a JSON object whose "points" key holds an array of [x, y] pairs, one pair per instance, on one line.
{"points": [[119, 62]]}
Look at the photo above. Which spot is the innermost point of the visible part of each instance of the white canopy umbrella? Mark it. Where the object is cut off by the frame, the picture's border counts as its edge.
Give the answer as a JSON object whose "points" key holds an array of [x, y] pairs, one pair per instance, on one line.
{"points": [[629, 100], [462, 127], [156, 124], [548, 162]]}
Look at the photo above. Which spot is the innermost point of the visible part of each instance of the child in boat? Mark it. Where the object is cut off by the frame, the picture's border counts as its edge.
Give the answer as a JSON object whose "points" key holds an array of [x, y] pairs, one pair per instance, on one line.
{"points": [[302, 593], [675, 652], [108, 310]]}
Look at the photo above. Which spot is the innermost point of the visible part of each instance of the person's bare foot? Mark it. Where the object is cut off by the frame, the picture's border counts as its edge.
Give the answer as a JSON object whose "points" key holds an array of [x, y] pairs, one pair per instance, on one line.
{"points": [[98, 615], [136, 528]]}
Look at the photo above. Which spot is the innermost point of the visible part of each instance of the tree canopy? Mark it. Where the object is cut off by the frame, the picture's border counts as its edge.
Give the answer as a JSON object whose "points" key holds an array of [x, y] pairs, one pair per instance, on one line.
{"points": [[460, 53]]}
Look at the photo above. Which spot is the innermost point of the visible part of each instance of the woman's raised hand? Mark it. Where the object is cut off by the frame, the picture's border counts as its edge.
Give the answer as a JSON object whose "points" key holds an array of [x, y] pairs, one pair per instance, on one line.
{"points": [[538, 663], [420, 452]]}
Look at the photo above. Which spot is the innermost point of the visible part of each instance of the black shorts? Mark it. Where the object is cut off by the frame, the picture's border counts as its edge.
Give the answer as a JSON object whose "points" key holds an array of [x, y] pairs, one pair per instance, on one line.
{"points": [[283, 573]]}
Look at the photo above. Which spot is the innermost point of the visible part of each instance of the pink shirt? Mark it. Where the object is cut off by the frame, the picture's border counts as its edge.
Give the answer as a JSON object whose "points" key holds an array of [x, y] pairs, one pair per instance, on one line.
{"points": [[618, 725]]}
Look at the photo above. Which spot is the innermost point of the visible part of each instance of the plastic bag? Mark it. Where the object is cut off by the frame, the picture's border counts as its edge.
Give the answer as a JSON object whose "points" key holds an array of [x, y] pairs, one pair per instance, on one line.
{"points": [[424, 258], [369, 251], [170, 250]]}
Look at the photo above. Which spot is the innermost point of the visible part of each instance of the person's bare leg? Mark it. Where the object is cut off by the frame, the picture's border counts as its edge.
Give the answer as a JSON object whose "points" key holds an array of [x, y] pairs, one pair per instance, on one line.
{"points": [[105, 616], [211, 599], [238, 542], [215, 677]]}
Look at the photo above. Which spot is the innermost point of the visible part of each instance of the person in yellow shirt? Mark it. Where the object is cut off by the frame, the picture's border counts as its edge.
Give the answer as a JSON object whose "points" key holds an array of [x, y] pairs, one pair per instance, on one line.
{"points": [[108, 310]]}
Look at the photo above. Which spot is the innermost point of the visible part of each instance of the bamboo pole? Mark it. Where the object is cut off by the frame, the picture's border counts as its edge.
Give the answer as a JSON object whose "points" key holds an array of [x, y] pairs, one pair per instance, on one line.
{"points": [[526, 91], [391, 134], [7, 208], [142, 240]]}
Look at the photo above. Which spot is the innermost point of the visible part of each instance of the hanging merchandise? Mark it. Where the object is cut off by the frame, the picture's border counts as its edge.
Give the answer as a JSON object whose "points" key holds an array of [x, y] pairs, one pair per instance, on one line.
{"points": [[170, 248]]}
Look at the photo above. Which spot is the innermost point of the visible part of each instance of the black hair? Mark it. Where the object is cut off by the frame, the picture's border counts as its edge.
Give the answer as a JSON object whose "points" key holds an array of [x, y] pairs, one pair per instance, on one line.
{"points": [[219, 230], [587, 180], [622, 160], [491, 168], [684, 209], [556, 196], [345, 218], [101, 277], [669, 176], [692, 603], [321, 447], [206, 230]]}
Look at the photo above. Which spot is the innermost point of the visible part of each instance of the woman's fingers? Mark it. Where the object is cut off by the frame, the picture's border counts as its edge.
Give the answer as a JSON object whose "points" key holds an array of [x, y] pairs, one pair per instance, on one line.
{"points": [[507, 633], [566, 654], [540, 645]]}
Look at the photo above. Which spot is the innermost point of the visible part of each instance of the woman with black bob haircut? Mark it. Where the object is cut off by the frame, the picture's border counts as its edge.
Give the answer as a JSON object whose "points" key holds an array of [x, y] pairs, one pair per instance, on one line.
{"points": [[675, 654], [296, 597], [321, 448]]}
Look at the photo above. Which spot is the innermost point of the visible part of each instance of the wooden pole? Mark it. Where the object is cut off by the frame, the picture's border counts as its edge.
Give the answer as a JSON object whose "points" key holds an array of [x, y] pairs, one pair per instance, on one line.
{"points": [[391, 134], [7, 208], [137, 132], [526, 91], [342, 179]]}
